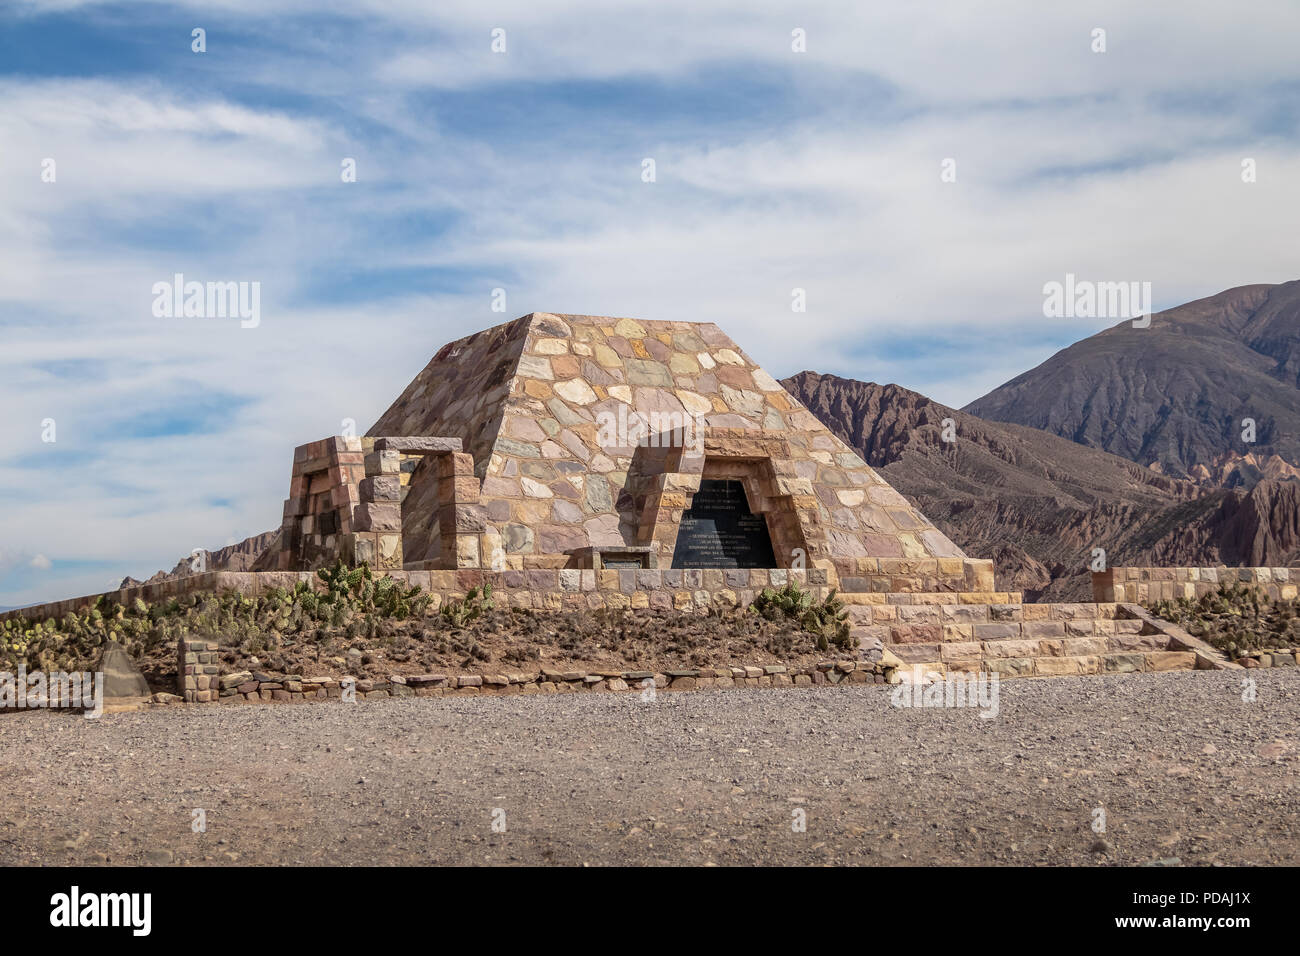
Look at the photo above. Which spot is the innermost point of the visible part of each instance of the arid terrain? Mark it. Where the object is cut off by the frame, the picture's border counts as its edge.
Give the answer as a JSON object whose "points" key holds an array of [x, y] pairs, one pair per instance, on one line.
{"points": [[1181, 765], [1038, 504]]}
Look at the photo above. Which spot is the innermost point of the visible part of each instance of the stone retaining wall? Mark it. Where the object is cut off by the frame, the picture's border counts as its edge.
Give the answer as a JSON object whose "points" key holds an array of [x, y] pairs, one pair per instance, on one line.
{"points": [[932, 624], [255, 687], [1144, 585], [914, 574], [943, 632], [1271, 657], [1011, 640]]}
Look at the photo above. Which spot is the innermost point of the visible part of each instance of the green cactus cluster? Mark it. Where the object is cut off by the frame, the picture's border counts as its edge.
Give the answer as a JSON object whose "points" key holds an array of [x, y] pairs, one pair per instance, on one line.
{"points": [[827, 620], [460, 613], [352, 598], [75, 641], [359, 590], [1234, 619]]}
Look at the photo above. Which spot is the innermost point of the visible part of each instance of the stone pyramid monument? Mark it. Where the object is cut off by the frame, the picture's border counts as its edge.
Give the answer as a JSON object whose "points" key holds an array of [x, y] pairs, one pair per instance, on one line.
{"points": [[573, 441]]}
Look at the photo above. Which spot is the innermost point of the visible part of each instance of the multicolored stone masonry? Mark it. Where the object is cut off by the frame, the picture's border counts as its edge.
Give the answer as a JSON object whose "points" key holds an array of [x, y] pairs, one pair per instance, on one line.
{"points": [[198, 669], [1146, 585], [583, 435], [324, 497]]}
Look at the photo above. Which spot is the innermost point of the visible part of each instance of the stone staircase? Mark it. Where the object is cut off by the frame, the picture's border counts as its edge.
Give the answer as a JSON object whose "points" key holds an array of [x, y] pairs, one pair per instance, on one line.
{"points": [[996, 632]]}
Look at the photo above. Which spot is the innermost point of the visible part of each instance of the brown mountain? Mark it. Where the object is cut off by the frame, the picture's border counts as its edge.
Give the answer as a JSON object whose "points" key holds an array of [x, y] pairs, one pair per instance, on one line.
{"points": [[1038, 504], [1175, 394]]}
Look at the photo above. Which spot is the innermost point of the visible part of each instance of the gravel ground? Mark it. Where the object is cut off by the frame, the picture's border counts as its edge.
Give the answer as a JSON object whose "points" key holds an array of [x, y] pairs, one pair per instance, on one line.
{"points": [[1181, 765]]}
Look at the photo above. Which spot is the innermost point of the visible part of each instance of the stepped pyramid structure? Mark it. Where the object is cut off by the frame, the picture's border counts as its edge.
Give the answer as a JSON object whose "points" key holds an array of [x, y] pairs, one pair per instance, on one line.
{"points": [[571, 441], [578, 463]]}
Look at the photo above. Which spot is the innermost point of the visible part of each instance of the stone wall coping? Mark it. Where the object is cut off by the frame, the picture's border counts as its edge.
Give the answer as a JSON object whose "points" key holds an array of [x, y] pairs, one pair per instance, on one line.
{"points": [[424, 445]]}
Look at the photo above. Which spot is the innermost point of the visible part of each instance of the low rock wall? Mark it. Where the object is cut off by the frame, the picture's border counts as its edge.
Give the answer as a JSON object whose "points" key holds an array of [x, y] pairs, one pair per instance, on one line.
{"points": [[1146, 585]]}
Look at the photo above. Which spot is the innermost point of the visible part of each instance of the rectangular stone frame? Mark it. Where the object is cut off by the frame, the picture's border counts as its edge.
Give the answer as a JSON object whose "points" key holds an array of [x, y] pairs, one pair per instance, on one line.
{"points": [[366, 505], [461, 520], [764, 466]]}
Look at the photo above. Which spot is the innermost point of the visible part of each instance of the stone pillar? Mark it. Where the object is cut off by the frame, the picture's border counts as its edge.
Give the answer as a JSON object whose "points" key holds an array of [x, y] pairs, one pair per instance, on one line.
{"points": [[198, 670], [377, 524], [464, 538], [324, 491], [462, 521]]}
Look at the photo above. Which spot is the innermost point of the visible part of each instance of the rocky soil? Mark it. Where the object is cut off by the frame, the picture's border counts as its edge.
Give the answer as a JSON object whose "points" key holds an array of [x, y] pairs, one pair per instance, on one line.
{"points": [[1181, 765]]}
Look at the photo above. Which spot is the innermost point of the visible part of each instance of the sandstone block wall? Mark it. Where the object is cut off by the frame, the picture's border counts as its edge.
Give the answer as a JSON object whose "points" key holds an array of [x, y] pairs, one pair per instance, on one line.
{"points": [[920, 575], [1144, 585], [1033, 640]]}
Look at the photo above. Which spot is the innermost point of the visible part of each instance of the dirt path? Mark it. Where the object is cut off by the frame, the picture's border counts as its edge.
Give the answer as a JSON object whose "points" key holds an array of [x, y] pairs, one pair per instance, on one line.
{"points": [[1181, 765]]}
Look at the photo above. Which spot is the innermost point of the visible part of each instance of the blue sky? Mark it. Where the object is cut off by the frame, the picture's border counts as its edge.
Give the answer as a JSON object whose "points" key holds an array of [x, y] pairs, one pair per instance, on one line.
{"points": [[521, 170]]}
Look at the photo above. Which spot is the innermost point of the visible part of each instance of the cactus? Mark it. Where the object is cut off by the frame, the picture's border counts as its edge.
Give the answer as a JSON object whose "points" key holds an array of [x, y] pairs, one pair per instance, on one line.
{"points": [[826, 621], [459, 613]]}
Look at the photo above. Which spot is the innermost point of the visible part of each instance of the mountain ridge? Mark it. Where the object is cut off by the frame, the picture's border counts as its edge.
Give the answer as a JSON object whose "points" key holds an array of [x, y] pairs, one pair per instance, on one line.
{"points": [[1176, 395], [1037, 503]]}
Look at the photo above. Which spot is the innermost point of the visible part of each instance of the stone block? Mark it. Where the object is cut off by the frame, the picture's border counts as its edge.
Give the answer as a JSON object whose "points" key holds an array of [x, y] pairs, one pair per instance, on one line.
{"points": [[1055, 667], [1015, 648], [1010, 666], [1170, 660], [997, 632], [1123, 663], [423, 445]]}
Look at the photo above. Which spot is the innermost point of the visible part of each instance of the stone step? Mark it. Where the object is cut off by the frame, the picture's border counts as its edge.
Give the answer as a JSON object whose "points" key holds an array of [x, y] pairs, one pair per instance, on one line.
{"points": [[973, 660], [942, 623]]}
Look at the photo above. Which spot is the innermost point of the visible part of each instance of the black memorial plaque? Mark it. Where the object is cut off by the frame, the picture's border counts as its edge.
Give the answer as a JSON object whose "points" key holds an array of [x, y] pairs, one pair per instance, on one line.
{"points": [[719, 531]]}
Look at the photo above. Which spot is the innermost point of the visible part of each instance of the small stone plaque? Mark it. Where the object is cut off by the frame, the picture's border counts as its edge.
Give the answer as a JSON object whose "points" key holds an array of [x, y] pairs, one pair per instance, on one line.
{"points": [[619, 559], [719, 530]]}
